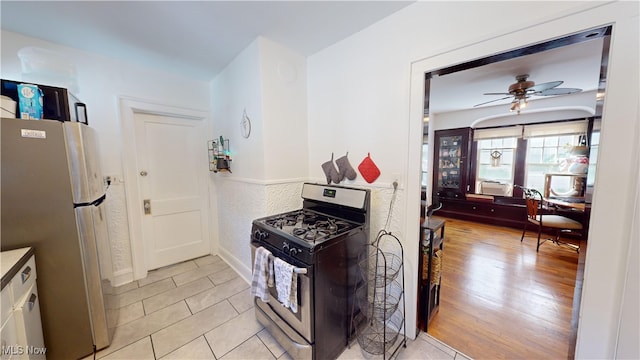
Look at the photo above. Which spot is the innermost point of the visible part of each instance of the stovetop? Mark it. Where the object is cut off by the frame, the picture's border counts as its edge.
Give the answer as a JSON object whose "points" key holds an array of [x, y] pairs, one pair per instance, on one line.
{"points": [[329, 215], [307, 226]]}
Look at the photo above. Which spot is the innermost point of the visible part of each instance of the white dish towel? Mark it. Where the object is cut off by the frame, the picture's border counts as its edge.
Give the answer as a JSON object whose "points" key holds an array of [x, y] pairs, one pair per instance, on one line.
{"points": [[286, 284], [262, 272]]}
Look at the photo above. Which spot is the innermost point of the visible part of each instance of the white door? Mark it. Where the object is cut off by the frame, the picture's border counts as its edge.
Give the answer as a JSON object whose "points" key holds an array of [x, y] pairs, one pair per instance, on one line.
{"points": [[172, 172]]}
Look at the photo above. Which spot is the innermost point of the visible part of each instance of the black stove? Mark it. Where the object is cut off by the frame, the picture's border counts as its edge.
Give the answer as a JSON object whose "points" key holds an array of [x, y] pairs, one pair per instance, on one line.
{"points": [[323, 240], [328, 215]]}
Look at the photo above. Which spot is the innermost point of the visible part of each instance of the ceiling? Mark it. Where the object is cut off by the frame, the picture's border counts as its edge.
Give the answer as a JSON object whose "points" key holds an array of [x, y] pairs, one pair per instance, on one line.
{"points": [[198, 39], [577, 65], [193, 38]]}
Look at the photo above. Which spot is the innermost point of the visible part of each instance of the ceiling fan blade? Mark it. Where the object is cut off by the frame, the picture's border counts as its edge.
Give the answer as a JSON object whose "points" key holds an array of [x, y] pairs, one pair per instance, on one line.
{"points": [[544, 86], [487, 102], [558, 91]]}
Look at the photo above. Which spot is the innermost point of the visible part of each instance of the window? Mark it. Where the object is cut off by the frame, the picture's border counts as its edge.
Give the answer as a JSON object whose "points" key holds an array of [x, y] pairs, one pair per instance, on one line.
{"points": [[550, 149], [549, 154], [554, 147], [495, 165], [496, 159], [425, 164], [593, 157]]}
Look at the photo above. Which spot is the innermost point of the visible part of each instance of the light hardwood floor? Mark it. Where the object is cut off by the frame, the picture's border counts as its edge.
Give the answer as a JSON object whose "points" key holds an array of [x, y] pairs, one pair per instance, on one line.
{"points": [[499, 298]]}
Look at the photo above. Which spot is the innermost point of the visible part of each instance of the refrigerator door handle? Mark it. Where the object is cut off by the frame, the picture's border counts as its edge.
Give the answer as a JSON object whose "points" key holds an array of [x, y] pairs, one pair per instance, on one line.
{"points": [[95, 202]]}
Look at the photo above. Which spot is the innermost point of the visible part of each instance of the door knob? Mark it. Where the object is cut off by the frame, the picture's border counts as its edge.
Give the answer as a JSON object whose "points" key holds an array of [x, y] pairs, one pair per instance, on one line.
{"points": [[143, 173]]}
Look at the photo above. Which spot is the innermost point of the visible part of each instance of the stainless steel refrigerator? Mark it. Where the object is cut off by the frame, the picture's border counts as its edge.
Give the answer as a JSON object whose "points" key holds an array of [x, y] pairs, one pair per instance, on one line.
{"points": [[52, 199]]}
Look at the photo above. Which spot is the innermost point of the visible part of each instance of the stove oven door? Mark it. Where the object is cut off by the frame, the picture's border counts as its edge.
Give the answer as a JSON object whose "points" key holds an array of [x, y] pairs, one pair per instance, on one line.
{"points": [[293, 331]]}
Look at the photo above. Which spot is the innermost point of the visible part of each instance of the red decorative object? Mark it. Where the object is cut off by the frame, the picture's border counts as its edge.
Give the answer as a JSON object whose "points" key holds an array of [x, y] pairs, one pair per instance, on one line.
{"points": [[368, 169]]}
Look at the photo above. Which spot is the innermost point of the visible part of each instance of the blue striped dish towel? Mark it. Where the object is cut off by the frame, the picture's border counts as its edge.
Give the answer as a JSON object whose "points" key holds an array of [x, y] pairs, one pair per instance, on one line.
{"points": [[261, 274], [286, 284]]}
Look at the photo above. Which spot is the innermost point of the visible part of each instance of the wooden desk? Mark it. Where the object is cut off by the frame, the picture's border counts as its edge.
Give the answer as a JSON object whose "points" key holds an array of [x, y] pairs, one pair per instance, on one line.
{"points": [[570, 205]]}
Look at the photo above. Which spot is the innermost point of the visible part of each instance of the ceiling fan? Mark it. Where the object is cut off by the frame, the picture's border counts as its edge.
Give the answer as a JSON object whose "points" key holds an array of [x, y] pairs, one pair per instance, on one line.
{"points": [[522, 89]]}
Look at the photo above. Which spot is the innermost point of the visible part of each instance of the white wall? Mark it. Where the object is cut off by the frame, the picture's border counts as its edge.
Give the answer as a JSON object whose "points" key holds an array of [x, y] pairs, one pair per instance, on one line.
{"points": [[268, 81], [234, 91], [359, 99], [628, 346], [100, 82], [284, 105]]}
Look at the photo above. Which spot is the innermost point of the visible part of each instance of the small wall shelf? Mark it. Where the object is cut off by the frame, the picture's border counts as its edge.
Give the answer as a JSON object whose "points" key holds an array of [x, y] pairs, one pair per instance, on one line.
{"points": [[219, 155]]}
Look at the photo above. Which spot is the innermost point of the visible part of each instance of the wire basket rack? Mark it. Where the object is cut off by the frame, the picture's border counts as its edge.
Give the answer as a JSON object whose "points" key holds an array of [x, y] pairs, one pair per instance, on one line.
{"points": [[380, 268], [380, 302], [378, 318], [379, 336]]}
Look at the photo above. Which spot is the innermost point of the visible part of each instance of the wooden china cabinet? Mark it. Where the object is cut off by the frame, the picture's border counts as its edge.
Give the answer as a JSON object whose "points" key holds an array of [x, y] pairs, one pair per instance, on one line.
{"points": [[451, 163]]}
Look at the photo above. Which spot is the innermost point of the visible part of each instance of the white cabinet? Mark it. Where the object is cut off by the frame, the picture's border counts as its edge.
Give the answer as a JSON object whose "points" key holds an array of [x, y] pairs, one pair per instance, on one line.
{"points": [[8, 332], [21, 325]]}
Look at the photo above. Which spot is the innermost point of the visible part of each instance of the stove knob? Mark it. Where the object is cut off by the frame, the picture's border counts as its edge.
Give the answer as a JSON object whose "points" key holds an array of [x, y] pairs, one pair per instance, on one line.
{"points": [[285, 246], [293, 251], [261, 235]]}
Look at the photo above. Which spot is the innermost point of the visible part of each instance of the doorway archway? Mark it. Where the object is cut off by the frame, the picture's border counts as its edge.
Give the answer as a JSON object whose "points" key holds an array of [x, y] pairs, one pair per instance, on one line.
{"points": [[603, 32]]}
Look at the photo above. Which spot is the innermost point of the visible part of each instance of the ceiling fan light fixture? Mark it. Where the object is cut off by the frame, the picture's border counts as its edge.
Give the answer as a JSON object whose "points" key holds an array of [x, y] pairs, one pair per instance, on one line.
{"points": [[523, 89], [518, 104], [521, 85]]}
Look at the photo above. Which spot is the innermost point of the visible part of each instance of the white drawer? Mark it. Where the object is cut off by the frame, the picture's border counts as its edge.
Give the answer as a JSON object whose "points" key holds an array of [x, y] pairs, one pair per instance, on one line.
{"points": [[24, 279], [29, 325], [6, 304], [9, 338]]}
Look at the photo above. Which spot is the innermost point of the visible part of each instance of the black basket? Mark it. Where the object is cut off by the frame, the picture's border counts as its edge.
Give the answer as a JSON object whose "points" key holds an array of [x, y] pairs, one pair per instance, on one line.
{"points": [[378, 336], [380, 268], [380, 302]]}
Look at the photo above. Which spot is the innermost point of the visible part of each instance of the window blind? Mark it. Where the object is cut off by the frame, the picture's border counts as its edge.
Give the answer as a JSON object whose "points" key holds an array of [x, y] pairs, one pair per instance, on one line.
{"points": [[498, 133], [578, 127]]}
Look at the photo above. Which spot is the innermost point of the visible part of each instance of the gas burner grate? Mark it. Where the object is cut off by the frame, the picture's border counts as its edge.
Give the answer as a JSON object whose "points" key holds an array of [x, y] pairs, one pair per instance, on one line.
{"points": [[282, 221], [308, 226], [332, 226]]}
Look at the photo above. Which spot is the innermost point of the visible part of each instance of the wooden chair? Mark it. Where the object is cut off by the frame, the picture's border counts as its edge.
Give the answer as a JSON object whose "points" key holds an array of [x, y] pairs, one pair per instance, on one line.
{"points": [[538, 214]]}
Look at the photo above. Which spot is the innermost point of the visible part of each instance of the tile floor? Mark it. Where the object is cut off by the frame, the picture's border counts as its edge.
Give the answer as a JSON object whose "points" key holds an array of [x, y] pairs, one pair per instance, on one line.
{"points": [[201, 309]]}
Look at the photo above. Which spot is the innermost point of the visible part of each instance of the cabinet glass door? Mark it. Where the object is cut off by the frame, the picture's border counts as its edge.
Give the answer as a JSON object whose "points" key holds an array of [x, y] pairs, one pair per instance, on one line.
{"points": [[449, 173]]}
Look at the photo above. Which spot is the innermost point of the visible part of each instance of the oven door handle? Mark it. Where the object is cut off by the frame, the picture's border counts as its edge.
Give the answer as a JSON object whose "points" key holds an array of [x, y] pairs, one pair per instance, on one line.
{"points": [[296, 269]]}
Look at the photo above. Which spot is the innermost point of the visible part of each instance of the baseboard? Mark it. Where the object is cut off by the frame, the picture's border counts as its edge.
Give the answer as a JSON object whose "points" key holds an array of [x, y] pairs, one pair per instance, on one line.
{"points": [[240, 267], [122, 277]]}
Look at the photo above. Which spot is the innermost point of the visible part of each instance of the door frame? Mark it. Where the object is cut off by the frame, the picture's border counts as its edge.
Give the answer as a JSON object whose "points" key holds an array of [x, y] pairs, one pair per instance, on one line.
{"points": [[129, 107], [599, 309]]}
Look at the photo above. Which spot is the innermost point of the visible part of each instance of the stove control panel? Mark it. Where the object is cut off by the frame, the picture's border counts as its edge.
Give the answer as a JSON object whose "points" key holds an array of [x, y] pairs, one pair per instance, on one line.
{"points": [[292, 250], [339, 195], [260, 234]]}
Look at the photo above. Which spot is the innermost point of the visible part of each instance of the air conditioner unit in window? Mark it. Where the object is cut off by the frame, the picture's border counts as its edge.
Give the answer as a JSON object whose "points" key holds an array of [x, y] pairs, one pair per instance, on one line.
{"points": [[495, 188]]}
